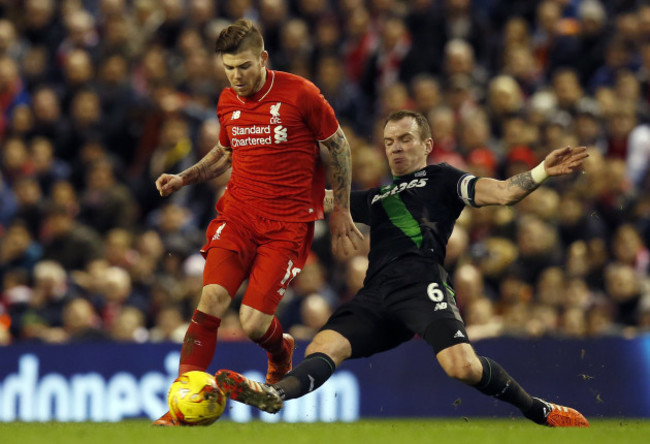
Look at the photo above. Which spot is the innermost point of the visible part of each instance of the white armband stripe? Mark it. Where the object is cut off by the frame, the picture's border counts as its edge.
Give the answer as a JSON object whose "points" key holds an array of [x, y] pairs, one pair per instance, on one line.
{"points": [[463, 189]]}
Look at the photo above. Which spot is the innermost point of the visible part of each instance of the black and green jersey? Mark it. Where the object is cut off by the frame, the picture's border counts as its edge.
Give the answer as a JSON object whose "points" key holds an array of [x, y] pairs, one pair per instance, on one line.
{"points": [[413, 215]]}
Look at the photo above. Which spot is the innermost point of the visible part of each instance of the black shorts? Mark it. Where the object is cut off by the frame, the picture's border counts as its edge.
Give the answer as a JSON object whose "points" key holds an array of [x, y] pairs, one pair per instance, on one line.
{"points": [[411, 296]]}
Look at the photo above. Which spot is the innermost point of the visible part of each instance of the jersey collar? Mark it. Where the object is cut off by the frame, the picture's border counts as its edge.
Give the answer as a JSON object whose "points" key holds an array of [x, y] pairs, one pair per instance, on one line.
{"points": [[418, 173], [266, 88]]}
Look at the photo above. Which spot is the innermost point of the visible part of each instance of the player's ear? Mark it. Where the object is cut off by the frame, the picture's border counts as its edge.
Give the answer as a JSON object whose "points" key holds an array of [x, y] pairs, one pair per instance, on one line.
{"points": [[265, 58], [428, 146]]}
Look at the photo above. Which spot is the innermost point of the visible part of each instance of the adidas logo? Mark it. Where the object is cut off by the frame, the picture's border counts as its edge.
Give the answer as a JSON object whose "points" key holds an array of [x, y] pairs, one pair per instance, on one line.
{"points": [[459, 334]]}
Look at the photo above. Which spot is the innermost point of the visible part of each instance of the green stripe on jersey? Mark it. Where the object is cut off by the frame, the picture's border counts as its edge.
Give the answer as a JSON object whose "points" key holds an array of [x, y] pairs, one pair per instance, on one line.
{"points": [[400, 216], [452, 293]]}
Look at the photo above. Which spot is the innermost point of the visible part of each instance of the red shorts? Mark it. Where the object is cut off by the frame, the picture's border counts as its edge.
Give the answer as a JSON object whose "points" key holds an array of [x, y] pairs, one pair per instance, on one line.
{"points": [[269, 253]]}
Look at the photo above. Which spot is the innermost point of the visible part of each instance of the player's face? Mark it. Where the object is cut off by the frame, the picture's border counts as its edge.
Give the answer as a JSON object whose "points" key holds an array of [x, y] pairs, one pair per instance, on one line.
{"points": [[246, 71], [405, 149]]}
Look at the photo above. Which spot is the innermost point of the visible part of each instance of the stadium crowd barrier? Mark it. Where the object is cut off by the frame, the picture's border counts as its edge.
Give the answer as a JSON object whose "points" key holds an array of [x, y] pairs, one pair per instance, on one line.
{"points": [[605, 377]]}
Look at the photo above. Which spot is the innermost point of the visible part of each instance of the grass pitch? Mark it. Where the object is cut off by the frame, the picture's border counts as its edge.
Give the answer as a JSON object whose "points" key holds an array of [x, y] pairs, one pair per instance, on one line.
{"points": [[439, 431]]}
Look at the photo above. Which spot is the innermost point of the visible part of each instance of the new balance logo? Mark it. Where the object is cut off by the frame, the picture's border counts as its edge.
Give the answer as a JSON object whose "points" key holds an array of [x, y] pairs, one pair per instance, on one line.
{"points": [[440, 306], [459, 334], [235, 115]]}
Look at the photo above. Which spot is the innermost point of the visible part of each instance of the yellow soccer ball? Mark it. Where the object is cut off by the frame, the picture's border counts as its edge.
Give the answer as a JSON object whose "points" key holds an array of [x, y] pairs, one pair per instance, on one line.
{"points": [[195, 399]]}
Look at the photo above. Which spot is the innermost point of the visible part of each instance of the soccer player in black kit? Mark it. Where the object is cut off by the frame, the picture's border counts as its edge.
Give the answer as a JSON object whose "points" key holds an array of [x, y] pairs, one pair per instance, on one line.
{"points": [[406, 290]]}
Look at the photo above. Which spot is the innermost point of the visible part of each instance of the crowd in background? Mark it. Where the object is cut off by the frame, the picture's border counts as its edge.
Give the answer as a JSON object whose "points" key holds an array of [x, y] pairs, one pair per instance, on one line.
{"points": [[99, 97]]}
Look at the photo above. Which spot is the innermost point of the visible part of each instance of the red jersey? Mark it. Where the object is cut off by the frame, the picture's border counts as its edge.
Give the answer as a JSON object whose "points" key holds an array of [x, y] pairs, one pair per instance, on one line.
{"points": [[277, 172]]}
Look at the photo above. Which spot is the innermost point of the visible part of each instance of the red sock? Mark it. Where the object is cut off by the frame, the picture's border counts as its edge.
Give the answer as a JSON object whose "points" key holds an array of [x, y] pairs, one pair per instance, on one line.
{"points": [[271, 341], [199, 343]]}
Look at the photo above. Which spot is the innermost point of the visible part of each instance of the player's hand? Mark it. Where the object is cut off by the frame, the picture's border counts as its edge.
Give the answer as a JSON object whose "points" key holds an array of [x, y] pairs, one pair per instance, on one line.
{"points": [[346, 237], [565, 160], [168, 183]]}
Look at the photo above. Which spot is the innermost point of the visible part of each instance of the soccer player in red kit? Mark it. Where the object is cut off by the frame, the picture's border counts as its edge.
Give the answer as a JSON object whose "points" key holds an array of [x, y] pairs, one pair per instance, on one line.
{"points": [[272, 124]]}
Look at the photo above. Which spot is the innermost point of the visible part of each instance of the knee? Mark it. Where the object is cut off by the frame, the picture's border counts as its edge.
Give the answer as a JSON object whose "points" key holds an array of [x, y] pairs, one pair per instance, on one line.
{"points": [[215, 300], [254, 323], [468, 371], [335, 346], [253, 327]]}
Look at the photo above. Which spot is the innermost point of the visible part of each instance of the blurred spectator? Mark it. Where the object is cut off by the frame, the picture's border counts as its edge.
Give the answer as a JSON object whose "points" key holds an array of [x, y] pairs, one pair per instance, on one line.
{"points": [[81, 323], [426, 93], [15, 160], [31, 205], [68, 242], [505, 99], [344, 96], [50, 123], [43, 318], [445, 142], [573, 323], [11, 43], [47, 168], [86, 123], [170, 326], [481, 319], [12, 91], [550, 287], [538, 246], [628, 249], [459, 60], [129, 326], [18, 248], [369, 168], [116, 293], [469, 286], [588, 124], [392, 60], [624, 290], [80, 33], [106, 203], [314, 312]]}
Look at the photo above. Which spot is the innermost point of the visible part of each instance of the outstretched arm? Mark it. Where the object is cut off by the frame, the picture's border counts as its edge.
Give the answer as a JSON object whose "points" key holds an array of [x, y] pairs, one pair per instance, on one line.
{"points": [[213, 164], [345, 235], [510, 191]]}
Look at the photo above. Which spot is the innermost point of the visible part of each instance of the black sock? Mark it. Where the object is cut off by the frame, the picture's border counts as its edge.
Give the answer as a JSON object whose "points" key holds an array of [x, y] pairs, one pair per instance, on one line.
{"points": [[498, 383], [310, 374]]}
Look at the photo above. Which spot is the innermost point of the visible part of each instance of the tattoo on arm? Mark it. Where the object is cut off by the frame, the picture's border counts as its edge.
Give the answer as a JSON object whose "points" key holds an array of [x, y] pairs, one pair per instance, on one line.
{"points": [[340, 168], [521, 185], [213, 164]]}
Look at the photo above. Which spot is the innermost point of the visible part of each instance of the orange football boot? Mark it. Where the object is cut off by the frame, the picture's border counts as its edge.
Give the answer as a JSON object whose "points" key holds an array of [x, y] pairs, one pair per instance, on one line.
{"points": [[276, 370]]}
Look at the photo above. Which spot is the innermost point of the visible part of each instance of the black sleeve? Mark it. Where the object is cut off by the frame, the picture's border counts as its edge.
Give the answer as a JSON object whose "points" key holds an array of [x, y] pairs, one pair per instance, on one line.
{"points": [[360, 207], [461, 184]]}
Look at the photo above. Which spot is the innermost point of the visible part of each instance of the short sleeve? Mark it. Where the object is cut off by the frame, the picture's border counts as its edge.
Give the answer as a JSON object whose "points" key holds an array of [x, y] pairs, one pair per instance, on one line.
{"points": [[224, 140], [459, 184], [319, 115]]}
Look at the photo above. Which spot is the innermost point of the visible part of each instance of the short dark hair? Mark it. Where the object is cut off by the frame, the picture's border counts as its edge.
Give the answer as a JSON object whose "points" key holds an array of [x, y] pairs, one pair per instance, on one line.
{"points": [[239, 36], [420, 120]]}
